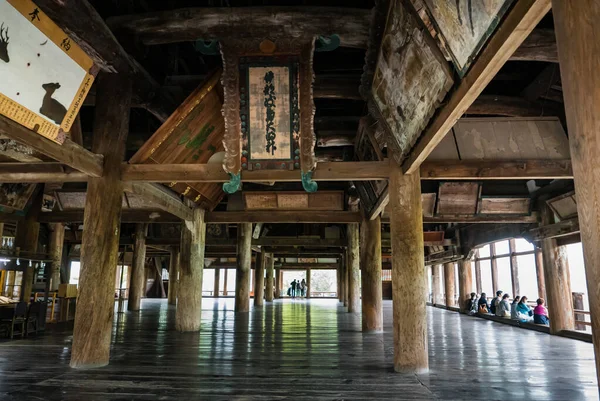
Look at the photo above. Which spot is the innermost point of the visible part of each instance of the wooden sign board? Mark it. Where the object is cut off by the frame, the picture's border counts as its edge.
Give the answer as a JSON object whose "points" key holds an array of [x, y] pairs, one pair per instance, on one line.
{"points": [[411, 78], [504, 205], [324, 200], [465, 26], [45, 76], [193, 134]]}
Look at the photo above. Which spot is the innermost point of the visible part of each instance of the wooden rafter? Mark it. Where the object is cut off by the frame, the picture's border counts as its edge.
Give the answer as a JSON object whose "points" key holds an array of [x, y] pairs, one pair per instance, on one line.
{"points": [[515, 28], [161, 198], [68, 153], [496, 170]]}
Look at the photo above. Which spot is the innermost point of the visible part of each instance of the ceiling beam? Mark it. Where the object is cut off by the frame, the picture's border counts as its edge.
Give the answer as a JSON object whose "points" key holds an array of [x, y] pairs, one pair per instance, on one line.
{"points": [[68, 153], [160, 197], [540, 45], [515, 28], [191, 24], [307, 242], [81, 21], [472, 219], [556, 230], [332, 171], [496, 170], [276, 216], [513, 106], [76, 216], [38, 173]]}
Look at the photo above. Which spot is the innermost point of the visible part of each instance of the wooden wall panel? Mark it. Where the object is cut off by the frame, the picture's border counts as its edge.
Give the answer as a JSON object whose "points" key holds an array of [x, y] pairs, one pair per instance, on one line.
{"points": [[428, 201]]}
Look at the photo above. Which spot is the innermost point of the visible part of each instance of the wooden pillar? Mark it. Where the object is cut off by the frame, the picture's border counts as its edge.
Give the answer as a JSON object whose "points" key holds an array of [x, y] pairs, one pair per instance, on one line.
{"points": [[173, 275], [409, 281], [217, 284], [308, 274], [465, 283], [259, 279], [244, 262], [539, 270], [137, 285], [558, 289], [436, 281], [102, 222], [494, 264], [578, 305], [225, 283], [478, 283], [57, 238], [277, 282], [339, 279], [344, 280], [514, 268], [26, 239], [449, 284], [191, 269], [270, 263], [372, 297], [353, 261]]}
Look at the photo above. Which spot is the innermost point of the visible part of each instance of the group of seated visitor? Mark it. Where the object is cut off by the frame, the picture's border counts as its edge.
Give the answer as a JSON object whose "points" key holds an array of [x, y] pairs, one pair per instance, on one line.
{"points": [[502, 307]]}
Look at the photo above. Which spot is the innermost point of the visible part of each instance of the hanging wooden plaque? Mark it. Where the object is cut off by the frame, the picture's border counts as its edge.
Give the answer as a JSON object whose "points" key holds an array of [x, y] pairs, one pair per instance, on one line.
{"points": [[45, 76]]}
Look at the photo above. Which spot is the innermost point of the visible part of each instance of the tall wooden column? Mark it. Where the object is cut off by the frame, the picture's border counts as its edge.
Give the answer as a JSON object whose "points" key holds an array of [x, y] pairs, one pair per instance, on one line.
{"points": [[339, 280], [308, 282], [270, 263], [449, 284], [409, 281], [173, 274], [465, 283], [101, 225], [277, 283], [217, 282], [353, 268], [244, 262], [494, 264], [26, 239], [372, 297], [259, 279], [539, 271], [436, 282], [478, 282], [514, 268], [191, 269], [558, 286], [344, 278], [57, 239], [137, 285]]}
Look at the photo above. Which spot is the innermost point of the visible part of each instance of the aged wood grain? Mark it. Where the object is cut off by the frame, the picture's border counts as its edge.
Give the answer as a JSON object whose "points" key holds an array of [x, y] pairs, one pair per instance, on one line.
{"points": [[174, 272], [465, 283], [244, 262], [259, 279], [137, 283], [353, 261], [449, 284], [57, 239], [372, 312]]}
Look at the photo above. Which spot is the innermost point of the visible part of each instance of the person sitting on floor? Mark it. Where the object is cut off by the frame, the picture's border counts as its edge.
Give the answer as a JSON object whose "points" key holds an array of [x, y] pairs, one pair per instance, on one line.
{"points": [[503, 308], [540, 313], [524, 312], [513, 308], [482, 304], [471, 307], [495, 302]]}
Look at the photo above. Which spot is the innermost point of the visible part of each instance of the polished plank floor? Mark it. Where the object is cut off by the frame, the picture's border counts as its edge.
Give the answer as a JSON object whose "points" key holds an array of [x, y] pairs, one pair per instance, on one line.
{"points": [[298, 350]]}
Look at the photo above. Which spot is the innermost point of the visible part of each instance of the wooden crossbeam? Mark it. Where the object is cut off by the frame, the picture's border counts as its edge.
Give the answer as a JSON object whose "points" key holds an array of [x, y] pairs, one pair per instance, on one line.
{"points": [[560, 229], [161, 198], [76, 216], [481, 219], [38, 173], [308, 242], [496, 170], [68, 153], [515, 28], [302, 216], [191, 24]]}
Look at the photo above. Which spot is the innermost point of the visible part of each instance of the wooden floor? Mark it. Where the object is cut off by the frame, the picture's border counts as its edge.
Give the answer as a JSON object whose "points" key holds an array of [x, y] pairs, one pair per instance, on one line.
{"points": [[301, 351]]}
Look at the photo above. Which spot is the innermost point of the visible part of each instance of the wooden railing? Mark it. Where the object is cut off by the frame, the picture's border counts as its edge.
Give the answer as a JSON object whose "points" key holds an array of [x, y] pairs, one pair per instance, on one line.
{"points": [[580, 317]]}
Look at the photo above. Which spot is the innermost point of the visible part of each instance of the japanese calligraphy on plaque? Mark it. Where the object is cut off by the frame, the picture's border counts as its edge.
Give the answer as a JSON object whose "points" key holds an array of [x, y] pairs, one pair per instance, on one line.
{"points": [[45, 76], [269, 113]]}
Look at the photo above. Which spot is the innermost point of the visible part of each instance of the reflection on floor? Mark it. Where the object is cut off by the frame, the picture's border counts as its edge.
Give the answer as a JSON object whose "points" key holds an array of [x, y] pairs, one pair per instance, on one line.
{"points": [[302, 351]]}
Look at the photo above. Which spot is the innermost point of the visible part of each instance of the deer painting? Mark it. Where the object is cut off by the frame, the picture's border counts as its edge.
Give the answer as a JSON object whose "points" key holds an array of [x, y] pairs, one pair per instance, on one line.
{"points": [[52, 108], [4, 43]]}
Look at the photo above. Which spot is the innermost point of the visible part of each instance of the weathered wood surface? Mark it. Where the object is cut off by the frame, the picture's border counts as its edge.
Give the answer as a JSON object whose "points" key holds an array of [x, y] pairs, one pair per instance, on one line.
{"points": [[579, 55], [409, 281], [259, 279], [284, 216], [137, 280], [513, 106], [495, 170], [269, 287], [514, 268], [539, 272], [174, 272], [436, 284], [99, 249], [465, 283], [540, 45], [189, 24], [39, 172], [317, 365], [516, 26], [191, 270], [160, 197], [26, 238], [353, 261], [372, 312], [244, 263]]}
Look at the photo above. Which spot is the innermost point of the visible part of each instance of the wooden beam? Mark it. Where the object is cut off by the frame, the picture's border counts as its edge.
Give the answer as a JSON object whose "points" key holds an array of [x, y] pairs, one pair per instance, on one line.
{"points": [[68, 153], [541, 84], [161, 198], [304, 216], [332, 171], [515, 28], [76, 216], [512, 106], [540, 45], [308, 242], [38, 172], [471, 219], [556, 230], [191, 24], [496, 170]]}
